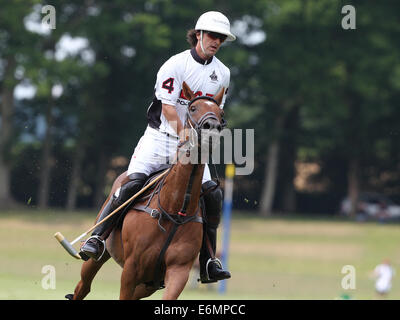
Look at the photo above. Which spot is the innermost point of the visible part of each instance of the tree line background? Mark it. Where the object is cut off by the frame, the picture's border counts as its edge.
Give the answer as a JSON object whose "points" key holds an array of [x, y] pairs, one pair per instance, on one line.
{"points": [[323, 101]]}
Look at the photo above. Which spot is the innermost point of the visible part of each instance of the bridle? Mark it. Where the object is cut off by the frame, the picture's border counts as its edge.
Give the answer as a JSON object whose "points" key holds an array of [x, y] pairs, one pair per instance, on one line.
{"points": [[198, 125]]}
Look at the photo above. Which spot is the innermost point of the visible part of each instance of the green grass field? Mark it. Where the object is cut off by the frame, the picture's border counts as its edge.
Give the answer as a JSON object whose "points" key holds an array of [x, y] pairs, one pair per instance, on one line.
{"points": [[275, 258]]}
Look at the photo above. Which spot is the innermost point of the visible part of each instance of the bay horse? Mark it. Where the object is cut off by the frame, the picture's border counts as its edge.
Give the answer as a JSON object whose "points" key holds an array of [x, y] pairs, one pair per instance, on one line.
{"points": [[166, 249]]}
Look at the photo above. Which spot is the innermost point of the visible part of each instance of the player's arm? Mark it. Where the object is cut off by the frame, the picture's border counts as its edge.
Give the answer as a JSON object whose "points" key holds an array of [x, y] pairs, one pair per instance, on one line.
{"points": [[168, 88], [171, 115]]}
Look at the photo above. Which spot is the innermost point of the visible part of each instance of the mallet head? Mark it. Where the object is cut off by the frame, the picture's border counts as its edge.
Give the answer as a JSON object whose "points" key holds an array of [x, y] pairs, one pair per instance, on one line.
{"points": [[67, 246]]}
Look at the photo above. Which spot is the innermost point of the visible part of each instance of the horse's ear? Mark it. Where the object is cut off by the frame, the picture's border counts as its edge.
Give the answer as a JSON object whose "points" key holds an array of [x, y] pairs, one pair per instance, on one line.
{"points": [[187, 92], [218, 97]]}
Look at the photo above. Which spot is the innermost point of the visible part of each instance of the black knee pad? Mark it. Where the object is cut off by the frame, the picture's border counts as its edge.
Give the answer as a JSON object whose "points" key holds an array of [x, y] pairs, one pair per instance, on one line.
{"points": [[213, 203], [133, 186]]}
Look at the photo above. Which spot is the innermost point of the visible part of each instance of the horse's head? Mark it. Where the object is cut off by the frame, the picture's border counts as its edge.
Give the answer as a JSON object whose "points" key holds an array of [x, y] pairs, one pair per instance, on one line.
{"points": [[204, 112], [205, 119]]}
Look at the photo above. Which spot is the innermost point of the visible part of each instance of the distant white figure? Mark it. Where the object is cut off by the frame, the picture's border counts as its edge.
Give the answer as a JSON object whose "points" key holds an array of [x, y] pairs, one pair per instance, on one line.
{"points": [[383, 273]]}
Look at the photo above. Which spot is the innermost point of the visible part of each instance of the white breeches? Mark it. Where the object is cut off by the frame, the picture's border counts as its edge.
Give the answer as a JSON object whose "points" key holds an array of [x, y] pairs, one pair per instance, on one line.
{"points": [[155, 149]]}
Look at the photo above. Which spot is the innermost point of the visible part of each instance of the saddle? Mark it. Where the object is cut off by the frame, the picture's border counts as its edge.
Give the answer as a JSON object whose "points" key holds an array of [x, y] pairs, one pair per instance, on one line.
{"points": [[151, 177], [156, 173]]}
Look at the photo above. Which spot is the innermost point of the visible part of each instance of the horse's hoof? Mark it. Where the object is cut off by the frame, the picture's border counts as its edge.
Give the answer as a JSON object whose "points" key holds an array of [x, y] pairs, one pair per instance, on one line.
{"points": [[69, 296]]}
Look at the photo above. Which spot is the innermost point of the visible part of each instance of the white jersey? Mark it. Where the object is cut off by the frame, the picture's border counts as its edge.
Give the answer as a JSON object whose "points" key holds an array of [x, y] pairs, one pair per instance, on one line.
{"points": [[204, 78]]}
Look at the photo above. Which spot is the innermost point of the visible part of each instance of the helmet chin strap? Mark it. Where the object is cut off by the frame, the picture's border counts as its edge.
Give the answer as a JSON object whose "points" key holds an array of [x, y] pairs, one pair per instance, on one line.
{"points": [[201, 43]]}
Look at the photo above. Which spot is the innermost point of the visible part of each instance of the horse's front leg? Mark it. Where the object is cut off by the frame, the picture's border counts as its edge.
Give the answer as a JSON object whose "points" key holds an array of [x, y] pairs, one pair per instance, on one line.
{"points": [[88, 272], [176, 277], [128, 280]]}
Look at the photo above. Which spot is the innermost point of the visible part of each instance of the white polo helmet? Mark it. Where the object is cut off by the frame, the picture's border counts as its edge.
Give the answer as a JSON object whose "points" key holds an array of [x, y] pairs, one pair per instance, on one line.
{"points": [[216, 22]]}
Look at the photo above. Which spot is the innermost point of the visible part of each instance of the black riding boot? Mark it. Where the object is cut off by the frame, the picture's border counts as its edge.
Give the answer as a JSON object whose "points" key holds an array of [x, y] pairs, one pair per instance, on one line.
{"points": [[94, 247], [210, 267]]}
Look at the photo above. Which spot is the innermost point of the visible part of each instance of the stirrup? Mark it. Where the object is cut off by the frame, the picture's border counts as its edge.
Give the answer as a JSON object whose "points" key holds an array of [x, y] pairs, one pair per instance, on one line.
{"points": [[208, 280], [217, 261], [100, 240]]}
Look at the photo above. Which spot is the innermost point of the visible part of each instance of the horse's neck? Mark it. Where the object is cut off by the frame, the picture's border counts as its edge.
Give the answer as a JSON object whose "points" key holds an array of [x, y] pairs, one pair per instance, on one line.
{"points": [[175, 187]]}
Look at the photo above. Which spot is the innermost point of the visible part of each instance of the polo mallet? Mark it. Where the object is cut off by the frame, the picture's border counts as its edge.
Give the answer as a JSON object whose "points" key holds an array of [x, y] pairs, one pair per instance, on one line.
{"points": [[69, 245]]}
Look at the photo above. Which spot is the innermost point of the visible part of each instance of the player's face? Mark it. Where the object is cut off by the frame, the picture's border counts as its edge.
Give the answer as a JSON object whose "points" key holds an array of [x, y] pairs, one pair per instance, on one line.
{"points": [[211, 42]]}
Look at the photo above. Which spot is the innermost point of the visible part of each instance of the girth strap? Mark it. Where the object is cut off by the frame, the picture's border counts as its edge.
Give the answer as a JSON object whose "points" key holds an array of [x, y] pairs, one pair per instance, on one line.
{"points": [[157, 282]]}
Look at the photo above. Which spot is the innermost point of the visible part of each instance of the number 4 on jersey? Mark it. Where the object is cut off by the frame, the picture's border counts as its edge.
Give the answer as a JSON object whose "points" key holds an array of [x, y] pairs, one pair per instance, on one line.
{"points": [[168, 84]]}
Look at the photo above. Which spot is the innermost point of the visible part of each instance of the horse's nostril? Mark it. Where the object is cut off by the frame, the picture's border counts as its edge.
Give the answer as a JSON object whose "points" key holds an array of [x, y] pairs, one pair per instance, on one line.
{"points": [[212, 125]]}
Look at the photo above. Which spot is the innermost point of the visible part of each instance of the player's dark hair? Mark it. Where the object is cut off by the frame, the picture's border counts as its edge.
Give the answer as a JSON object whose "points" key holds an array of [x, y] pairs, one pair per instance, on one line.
{"points": [[191, 37]]}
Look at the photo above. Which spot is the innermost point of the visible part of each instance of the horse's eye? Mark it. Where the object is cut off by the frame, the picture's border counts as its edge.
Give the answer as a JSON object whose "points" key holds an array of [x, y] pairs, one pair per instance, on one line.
{"points": [[192, 108]]}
